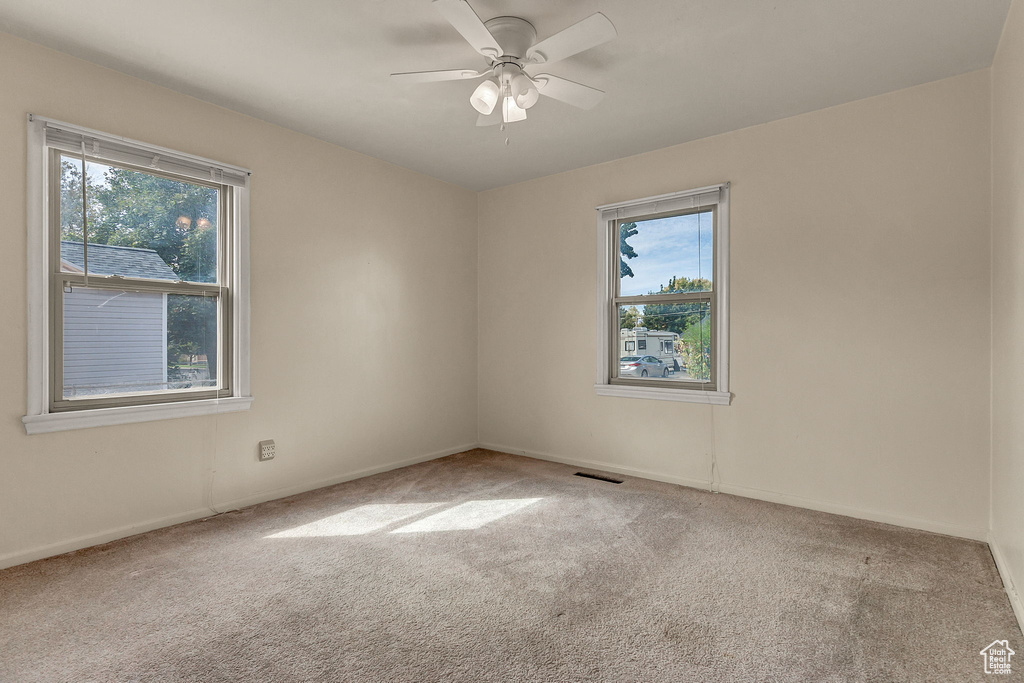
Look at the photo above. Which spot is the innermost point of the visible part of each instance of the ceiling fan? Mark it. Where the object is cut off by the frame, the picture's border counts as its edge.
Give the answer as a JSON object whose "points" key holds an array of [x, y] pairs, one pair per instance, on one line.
{"points": [[508, 44]]}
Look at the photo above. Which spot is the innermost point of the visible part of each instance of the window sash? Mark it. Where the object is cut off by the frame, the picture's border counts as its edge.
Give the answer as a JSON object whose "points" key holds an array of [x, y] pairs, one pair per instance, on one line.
{"points": [[59, 403], [613, 346], [225, 209], [129, 284], [696, 201], [59, 279], [673, 298], [615, 226]]}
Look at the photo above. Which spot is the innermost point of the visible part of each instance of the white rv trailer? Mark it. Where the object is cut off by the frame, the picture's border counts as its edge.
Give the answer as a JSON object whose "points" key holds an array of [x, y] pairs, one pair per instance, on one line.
{"points": [[639, 341]]}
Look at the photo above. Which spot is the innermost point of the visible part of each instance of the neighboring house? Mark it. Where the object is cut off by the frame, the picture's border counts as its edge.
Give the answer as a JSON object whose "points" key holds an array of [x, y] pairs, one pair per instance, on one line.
{"points": [[114, 341]]}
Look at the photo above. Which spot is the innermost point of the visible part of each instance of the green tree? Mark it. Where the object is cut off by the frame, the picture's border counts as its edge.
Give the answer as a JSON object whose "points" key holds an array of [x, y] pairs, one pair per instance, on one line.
{"points": [[71, 201], [626, 230], [628, 317], [677, 317], [685, 284], [175, 219], [191, 331], [695, 349]]}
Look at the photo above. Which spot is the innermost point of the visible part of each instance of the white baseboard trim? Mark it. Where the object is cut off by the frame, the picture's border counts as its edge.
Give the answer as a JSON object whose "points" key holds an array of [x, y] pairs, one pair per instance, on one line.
{"points": [[275, 494], [595, 465], [41, 552], [971, 533], [1008, 584], [944, 528]]}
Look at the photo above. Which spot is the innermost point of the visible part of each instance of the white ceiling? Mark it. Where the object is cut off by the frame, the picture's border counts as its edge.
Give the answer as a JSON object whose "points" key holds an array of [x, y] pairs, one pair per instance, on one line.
{"points": [[680, 69]]}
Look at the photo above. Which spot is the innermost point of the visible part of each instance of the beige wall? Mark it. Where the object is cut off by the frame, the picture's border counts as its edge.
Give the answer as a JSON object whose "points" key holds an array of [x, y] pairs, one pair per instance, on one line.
{"points": [[363, 321], [1008, 304], [860, 325], [860, 314]]}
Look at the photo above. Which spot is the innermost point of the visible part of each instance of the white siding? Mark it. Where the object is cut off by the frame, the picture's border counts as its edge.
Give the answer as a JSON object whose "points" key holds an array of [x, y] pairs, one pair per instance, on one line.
{"points": [[113, 341]]}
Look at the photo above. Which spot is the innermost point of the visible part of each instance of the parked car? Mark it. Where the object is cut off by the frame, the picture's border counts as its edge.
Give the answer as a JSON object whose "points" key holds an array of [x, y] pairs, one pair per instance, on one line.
{"points": [[642, 366]]}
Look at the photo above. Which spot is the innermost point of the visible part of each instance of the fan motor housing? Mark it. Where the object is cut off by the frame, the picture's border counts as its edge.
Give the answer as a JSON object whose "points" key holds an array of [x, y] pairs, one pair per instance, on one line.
{"points": [[514, 35]]}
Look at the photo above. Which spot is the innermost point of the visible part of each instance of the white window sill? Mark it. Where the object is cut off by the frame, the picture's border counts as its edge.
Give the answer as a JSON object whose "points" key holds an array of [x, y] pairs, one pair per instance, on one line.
{"points": [[716, 398], [102, 417]]}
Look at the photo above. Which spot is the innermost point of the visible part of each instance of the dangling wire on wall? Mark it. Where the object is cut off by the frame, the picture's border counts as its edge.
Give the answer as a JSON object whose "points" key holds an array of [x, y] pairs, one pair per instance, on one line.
{"points": [[221, 271], [714, 476]]}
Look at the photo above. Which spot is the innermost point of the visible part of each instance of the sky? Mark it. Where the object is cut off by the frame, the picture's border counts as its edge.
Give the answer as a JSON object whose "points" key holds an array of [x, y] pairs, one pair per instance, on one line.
{"points": [[94, 170], [666, 248]]}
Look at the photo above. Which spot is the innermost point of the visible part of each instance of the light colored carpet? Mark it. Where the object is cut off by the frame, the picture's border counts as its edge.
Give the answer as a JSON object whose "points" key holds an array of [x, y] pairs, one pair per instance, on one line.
{"points": [[491, 567]]}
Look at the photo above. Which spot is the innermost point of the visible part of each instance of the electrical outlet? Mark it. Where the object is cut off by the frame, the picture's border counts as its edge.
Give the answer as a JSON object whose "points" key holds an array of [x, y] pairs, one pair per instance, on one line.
{"points": [[267, 449]]}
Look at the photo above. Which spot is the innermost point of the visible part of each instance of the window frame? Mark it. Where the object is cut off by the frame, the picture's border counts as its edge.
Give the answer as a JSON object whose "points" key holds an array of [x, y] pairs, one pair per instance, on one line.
{"points": [[47, 410], [716, 392], [618, 300]]}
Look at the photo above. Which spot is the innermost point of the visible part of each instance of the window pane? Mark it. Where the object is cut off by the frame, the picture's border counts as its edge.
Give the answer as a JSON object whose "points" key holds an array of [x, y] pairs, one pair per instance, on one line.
{"points": [[118, 342], [676, 336], [139, 225], [672, 254], [192, 342]]}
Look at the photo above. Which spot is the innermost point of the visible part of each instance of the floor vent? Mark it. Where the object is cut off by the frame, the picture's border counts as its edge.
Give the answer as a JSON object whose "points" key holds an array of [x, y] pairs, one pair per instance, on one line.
{"points": [[598, 477]]}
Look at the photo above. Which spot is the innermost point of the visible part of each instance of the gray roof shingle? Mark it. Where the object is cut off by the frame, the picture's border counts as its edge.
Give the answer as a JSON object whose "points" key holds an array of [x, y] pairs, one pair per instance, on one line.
{"points": [[108, 259]]}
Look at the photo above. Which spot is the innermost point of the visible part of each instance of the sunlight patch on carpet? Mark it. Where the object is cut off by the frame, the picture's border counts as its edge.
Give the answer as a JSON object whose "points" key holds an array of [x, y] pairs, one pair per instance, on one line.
{"points": [[357, 521], [471, 515]]}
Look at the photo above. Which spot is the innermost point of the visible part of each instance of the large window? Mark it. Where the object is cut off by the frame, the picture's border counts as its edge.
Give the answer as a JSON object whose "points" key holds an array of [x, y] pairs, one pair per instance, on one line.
{"points": [[663, 309], [139, 265]]}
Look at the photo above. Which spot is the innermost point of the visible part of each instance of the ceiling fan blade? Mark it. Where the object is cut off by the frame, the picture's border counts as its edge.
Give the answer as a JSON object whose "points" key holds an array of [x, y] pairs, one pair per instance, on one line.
{"points": [[570, 92], [462, 17], [583, 35], [435, 76]]}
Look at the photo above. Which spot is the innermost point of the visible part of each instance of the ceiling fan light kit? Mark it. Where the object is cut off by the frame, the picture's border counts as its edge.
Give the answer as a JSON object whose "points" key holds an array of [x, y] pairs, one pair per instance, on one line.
{"points": [[516, 90], [524, 91], [510, 47], [511, 112], [485, 97]]}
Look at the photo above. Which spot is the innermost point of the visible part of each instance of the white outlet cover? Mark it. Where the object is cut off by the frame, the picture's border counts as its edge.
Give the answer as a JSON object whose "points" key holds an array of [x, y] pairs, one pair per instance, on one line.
{"points": [[267, 449]]}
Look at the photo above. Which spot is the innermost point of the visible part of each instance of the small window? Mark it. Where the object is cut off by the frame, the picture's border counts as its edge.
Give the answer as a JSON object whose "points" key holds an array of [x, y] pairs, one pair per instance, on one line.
{"points": [[666, 272], [144, 279], [629, 346]]}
